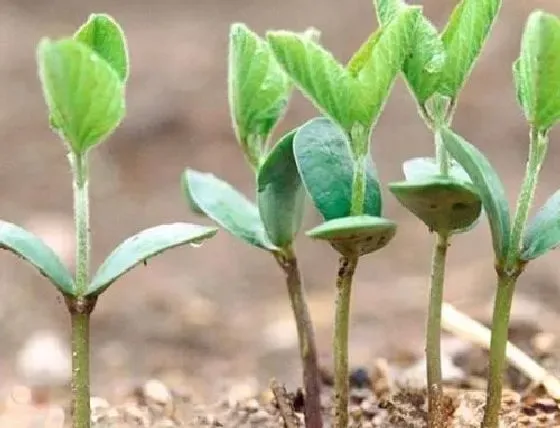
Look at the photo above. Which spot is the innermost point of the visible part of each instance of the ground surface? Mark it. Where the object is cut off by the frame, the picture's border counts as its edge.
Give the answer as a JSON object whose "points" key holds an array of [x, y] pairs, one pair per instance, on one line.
{"points": [[211, 318]]}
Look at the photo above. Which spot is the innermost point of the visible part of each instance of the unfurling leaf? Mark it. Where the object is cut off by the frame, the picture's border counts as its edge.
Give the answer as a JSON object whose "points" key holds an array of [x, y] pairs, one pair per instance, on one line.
{"points": [[463, 39], [227, 207], [32, 249], [142, 246], [105, 37], [537, 69], [352, 95], [84, 94], [258, 90]]}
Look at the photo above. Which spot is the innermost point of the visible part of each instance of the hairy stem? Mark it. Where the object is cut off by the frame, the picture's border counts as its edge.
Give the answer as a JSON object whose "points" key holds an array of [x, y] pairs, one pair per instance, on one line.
{"points": [[306, 338], [346, 271], [80, 308], [498, 344], [433, 333], [81, 220], [358, 188], [508, 273]]}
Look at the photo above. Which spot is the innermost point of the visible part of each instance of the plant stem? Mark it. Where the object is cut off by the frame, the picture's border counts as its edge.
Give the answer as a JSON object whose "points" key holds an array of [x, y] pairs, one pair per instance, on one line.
{"points": [[346, 271], [358, 187], [306, 337], [80, 308], [80, 369], [498, 343], [433, 333], [508, 273], [81, 220]]}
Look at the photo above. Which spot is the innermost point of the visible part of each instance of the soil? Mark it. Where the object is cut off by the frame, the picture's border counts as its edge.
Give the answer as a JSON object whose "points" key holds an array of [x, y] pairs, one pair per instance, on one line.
{"points": [[213, 324]]}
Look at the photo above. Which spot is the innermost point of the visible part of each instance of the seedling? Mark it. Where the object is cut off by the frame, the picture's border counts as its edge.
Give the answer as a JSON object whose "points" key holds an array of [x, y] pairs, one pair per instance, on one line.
{"points": [[437, 190], [517, 241], [333, 157], [259, 91], [83, 79]]}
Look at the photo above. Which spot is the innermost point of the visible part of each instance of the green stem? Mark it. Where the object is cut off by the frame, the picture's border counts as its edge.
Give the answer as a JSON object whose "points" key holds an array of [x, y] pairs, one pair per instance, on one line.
{"points": [[81, 220], [508, 273], [498, 343], [433, 333], [358, 187], [346, 271], [80, 308], [306, 338]]}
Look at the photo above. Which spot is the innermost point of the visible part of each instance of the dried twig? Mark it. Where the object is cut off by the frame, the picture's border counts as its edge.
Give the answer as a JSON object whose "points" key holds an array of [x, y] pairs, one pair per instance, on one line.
{"points": [[284, 405], [465, 327]]}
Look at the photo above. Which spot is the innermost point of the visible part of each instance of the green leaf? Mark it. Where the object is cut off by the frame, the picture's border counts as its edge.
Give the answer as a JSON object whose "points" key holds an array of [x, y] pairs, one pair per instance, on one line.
{"points": [[537, 69], [281, 194], [227, 207], [258, 89], [323, 158], [355, 235], [105, 36], [84, 94], [464, 38], [488, 185], [142, 246], [427, 57], [542, 233], [387, 9], [32, 249], [353, 95], [375, 73], [315, 71]]}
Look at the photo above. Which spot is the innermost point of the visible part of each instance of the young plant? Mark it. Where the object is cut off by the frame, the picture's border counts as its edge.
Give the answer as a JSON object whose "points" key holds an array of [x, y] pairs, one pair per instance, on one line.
{"points": [[437, 190], [83, 79], [333, 155], [259, 91], [517, 241]]}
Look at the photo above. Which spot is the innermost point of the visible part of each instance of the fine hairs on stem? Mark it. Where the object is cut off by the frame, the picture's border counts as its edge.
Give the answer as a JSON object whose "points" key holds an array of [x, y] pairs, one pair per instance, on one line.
{"points": [[306, 337], [347, 267], [507, 278], [80, 308]]}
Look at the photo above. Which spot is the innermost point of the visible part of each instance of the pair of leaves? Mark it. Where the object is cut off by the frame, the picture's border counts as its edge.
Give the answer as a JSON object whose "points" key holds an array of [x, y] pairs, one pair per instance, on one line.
{"points": [[83, 80], [442, 63], [276, 219], [537, 69], [444, 203], [258, 90], [326, 166], [355, 94], [126, 256]]}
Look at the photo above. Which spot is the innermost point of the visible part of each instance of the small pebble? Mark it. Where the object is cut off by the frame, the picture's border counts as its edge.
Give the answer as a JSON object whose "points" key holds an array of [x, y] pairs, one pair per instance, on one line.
{"points": [[252, 405], [157, 392], [359, 378]]}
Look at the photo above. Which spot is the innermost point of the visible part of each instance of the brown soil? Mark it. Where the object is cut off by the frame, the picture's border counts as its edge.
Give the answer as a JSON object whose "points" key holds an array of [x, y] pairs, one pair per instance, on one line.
{"points": [[209, 320]]}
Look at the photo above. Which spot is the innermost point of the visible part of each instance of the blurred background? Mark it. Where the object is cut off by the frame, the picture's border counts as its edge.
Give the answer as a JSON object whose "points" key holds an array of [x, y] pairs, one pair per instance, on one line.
{"points": [[204, 316]]}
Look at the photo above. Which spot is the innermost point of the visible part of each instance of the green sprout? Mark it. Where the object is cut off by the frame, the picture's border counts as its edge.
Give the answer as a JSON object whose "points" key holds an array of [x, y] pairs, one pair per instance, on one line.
{"points": [[437, 190], [83, 79], [333, 156], [518, 240], [259, 92]]}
